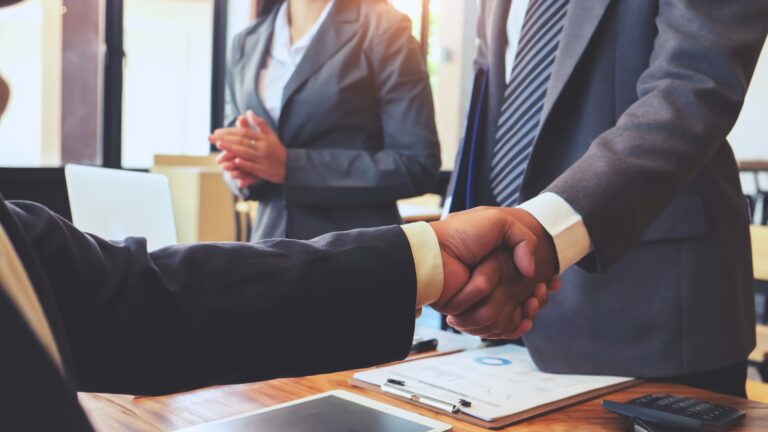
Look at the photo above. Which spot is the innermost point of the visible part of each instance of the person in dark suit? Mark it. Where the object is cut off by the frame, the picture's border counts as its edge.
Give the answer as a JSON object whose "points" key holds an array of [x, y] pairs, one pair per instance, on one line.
{"points": [[78, 313], [329, 118], [606, 123]]}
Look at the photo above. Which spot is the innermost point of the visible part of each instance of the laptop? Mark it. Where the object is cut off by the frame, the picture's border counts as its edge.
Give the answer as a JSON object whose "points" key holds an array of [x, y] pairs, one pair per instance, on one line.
{"points": [[115, 204]]}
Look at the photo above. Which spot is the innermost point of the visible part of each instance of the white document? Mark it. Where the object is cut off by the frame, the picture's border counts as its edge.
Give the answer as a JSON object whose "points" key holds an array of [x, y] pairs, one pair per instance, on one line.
{"points": [[498, 381]]}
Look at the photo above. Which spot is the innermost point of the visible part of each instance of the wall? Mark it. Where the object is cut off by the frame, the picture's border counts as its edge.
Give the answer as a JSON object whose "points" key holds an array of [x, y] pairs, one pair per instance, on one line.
{"points": [[749, 137]]}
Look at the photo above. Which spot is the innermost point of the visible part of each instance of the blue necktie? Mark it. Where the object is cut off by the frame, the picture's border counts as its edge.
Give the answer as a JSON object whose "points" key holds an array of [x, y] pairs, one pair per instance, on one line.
{"points": [[524, 97]]}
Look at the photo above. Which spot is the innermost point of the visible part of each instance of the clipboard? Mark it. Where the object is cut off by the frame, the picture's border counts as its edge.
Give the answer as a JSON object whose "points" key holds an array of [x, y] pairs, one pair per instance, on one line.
{"points": [[503, 422], [615, 384]]}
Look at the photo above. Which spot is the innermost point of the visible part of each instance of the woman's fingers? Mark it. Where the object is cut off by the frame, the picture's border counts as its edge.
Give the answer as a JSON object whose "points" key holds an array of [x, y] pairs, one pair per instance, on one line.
{"points": [[242, 122], [224, 157], [247, 167], [249, 151], [259, 122], [237, 132]]}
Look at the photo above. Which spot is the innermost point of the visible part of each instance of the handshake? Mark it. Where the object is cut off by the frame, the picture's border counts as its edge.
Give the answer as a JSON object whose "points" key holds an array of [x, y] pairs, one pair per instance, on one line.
{"points": [[499, 265]]}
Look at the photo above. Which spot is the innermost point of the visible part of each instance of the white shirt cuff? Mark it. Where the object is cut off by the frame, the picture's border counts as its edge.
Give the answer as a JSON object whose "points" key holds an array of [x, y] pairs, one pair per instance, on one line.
{"points": [[427, 261], [564, 224]]}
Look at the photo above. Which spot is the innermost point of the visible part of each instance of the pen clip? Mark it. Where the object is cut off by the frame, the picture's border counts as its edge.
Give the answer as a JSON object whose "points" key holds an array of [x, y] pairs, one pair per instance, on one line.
{"points": [[398, 388]]}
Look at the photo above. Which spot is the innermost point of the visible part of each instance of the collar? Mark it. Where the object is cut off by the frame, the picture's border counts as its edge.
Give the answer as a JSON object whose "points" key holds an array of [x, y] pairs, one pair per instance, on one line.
{"points": [[282, 49]]}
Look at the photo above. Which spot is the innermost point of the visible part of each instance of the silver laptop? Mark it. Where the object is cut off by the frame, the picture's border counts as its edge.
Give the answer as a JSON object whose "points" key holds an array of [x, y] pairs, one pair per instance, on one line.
{"points": [[115, 204]]}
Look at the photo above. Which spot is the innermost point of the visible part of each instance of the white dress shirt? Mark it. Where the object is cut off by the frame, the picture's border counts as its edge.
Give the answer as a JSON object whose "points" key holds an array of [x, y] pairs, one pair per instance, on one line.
{"points": [[283, 59]]}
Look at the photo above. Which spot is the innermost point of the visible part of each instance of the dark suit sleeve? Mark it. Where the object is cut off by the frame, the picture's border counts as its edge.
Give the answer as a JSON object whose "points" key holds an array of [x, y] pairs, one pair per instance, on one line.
{"points": [[409, 162], [689, 99], [190, 316]]}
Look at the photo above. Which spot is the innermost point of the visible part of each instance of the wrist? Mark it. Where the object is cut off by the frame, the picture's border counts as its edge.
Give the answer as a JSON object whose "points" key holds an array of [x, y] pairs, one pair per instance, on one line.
{"points": [[546, 254]]}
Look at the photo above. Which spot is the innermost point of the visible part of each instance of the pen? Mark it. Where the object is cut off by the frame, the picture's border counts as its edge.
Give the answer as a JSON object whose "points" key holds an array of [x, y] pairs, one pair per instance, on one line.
{"points": [[423, 345], [397, 388]]}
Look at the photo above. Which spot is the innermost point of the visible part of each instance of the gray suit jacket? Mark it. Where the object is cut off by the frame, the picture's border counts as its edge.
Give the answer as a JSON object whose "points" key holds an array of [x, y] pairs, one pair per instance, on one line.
{"points": [[357, 119], [642, 96]]}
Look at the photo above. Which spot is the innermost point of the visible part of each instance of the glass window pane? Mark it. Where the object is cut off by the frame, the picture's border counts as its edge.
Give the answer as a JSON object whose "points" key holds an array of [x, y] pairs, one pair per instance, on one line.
{"points": [[412, 8], [30, 61], [167, 79], [50, 54]]}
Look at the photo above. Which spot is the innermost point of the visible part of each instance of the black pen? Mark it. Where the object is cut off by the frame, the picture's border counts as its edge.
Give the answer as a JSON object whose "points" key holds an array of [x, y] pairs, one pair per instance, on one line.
{"points": [[420, 346]]}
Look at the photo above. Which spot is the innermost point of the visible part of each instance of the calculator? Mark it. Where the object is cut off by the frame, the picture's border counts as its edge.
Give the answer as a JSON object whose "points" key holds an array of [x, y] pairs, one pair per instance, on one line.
{"points": [[676, 412]]}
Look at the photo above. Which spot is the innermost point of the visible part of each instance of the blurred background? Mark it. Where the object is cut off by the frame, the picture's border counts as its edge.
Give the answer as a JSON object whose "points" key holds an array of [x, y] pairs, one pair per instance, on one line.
{"points": [[62, 59]]}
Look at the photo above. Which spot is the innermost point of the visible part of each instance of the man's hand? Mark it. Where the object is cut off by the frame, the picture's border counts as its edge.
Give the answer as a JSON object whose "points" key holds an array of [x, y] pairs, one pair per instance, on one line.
{"points": [[498, 295], [250, 154]]}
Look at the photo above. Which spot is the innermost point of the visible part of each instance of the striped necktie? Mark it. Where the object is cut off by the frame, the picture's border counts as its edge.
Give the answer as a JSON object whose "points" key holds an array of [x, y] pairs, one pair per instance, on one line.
{"points": [[524, 97]]}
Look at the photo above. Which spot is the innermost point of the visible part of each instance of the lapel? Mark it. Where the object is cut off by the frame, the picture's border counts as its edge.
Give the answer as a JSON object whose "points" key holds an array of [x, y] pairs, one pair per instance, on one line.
{"points": [[39, 284], [338, 29], [497, 82], [256, 48], [580, 24]]}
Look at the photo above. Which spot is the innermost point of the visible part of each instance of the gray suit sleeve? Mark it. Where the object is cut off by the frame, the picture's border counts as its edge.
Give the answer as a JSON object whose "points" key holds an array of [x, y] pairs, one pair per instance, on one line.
{"points": [[689, 98], [409, 162], [231, 112]]}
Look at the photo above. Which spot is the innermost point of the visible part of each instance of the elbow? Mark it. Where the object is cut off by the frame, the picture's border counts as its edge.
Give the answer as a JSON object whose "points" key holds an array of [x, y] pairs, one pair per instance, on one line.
{"points": [[426, 176]]}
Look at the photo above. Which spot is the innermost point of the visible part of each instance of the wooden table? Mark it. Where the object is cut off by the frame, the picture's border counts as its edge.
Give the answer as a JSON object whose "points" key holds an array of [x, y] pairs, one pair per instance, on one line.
{"points": [[126, 413]]}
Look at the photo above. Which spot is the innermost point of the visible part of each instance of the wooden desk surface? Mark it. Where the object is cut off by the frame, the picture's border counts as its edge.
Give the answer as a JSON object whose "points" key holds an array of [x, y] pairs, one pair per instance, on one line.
{"points": [[126, 413]]}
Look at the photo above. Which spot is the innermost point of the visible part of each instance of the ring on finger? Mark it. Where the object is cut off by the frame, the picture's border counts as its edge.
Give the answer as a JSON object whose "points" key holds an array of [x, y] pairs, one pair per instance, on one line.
{"points": [[252, 143]]}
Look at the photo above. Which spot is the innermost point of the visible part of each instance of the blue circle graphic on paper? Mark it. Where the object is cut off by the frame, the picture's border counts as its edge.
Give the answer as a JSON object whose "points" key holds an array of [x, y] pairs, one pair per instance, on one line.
{"points": [[493, 361]]}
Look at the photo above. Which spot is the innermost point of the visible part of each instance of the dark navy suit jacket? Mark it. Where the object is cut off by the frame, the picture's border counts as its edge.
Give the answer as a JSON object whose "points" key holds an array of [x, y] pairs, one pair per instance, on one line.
{"points": [[129, 321]]}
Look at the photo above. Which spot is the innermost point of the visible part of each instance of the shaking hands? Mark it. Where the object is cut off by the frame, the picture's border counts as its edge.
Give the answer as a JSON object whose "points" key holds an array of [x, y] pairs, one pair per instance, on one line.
{"points": [[499, 266]]}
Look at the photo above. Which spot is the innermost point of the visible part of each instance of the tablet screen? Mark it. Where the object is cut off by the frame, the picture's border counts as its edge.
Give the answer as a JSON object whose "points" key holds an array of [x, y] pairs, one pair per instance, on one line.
{"points": [[326, 414]]}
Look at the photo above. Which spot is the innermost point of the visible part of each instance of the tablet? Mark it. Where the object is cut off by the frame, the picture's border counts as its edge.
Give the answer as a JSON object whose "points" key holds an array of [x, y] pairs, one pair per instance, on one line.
{"points": [[333, 411]]}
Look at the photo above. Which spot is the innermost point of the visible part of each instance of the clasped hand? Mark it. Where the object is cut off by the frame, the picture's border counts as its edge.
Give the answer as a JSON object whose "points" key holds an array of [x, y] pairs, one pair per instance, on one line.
{"points": [[498, 264], [251, 151], [498, 267]]}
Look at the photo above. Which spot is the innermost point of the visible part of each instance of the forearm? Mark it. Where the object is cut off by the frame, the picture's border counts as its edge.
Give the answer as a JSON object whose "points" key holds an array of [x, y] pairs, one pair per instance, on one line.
{"points": [[688, 99], [190, 316], [355, 177]]}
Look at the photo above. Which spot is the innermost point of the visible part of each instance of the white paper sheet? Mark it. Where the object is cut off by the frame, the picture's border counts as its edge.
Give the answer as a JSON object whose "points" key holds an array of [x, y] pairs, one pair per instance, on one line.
{"points": [[499, 381]]}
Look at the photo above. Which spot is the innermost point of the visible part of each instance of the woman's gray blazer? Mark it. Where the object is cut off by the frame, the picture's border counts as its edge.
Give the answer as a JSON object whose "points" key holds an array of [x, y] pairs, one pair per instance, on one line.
{"points": [[357, 120]]}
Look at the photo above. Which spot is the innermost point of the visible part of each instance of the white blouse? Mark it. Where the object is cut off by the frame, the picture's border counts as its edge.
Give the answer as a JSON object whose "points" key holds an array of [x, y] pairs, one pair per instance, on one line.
{"points": [[283, 59]]}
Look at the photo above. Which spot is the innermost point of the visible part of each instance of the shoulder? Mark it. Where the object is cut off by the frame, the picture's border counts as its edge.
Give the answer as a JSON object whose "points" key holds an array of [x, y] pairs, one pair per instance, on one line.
{"points": [[381, 18], [248, 36]]}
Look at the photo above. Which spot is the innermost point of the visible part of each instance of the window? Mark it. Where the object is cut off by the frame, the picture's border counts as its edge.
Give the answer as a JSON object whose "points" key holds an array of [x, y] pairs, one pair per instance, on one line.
{"points": [[52, 51], [166, 79], [49, 55], [449, 60], [34, 75]]}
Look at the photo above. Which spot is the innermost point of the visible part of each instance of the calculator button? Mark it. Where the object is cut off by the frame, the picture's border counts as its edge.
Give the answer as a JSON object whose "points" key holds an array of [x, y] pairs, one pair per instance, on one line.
{"points": [[682, 405], [668, 401]]}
